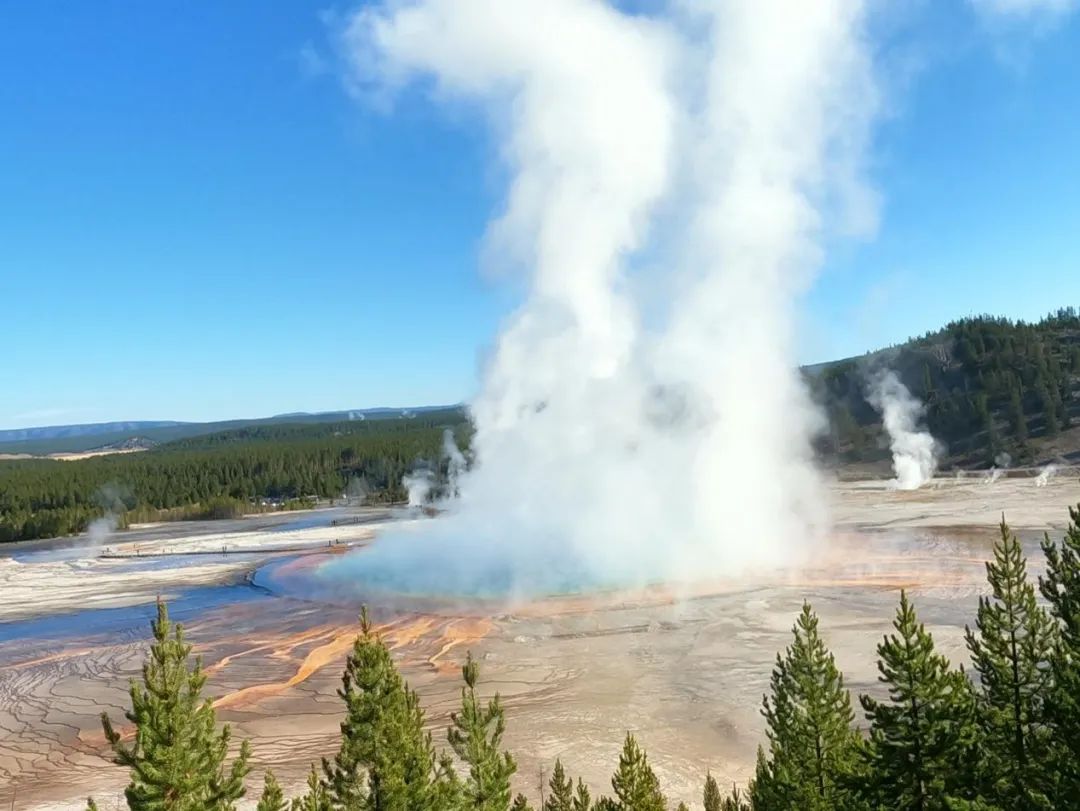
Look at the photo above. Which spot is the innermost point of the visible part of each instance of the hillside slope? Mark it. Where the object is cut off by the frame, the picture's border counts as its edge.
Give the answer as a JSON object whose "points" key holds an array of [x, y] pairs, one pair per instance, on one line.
{"points": [[91, 437], [991, 386]]}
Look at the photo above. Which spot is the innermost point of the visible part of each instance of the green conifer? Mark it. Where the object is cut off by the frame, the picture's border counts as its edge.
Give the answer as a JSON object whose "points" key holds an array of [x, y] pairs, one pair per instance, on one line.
{"points": [[922, 737], [272, 798], [736, 801], [582, 799], [812, 746], [178, 760], [711, 798], [520, 804], [316, 798], [1011, 650], [562, 790], [1061, 587], [1049, 413], [386, 760], [1016, 413], [635, 783], [475, 736]]}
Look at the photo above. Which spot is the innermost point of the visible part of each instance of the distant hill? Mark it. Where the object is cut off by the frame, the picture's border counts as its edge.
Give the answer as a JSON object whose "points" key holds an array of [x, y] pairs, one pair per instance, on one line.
{"points": [[94, 436], [991, 386]]}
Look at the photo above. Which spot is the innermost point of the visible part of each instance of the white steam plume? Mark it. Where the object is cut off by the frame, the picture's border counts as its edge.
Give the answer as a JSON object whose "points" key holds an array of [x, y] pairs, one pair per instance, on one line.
{"points": [[914, 450], [1002, 462], [101, 529], [456, 464], [1045, 475], [637, 423], [418, 484]]}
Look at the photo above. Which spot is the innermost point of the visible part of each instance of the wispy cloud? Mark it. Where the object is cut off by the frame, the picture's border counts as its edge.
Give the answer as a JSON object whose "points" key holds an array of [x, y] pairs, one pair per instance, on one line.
{"points": [[311, 62]]}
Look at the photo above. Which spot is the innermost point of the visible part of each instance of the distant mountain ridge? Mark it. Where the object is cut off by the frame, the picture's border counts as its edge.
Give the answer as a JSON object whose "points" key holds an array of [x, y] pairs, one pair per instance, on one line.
{"points": [[91, 436]]}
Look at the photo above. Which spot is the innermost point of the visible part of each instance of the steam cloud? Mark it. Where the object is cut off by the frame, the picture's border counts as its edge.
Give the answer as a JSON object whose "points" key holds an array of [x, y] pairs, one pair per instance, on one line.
{"points": [[1045, 475], [672, 178], [914, 450]]}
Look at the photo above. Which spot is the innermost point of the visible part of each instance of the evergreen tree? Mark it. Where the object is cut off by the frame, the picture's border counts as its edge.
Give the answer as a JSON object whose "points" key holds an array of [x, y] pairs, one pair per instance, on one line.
{"points": [[736, 801], [1016, 413], [178, 759], [711, 798], [562, 790], [1048, 408], [582, 800], [635, 784], [812, 746], [1011, 650], [316, 798], [993, 440], [520, 804], [922, 737], [386, 761], [475, 735], [1061, 588], [272, 798]]}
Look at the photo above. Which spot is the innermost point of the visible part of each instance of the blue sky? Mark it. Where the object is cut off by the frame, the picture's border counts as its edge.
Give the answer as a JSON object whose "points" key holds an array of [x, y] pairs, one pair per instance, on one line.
{"points": [[198, 222]]}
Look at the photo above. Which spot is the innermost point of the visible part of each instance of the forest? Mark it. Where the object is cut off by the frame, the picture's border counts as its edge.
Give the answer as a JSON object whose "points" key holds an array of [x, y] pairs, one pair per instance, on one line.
{"points": [[221, 475], [1000, 736], [990, 385]]}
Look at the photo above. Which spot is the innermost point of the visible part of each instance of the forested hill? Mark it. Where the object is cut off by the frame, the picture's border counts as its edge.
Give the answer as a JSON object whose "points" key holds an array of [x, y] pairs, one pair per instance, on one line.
{"points": [[991, 386], [59, 439], [223, 475]]}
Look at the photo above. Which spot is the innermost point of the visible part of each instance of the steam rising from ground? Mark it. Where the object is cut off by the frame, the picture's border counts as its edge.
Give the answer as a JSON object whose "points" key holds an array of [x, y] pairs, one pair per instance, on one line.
{"points": [[671, 180], [914, 450], [1045, 475]]}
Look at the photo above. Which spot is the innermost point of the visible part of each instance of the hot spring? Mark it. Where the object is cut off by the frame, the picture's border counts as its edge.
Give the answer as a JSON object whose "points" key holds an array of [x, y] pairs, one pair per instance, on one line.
{"points": [[429, 562]]}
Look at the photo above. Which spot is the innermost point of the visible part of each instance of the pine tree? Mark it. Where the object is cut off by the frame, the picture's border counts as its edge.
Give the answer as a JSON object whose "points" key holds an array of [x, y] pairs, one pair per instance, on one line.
{"points": [[1016, 412], [475, 736], [993, 440], [272, 798], [922, 737], [812, 746], [177, 760], [562, 790], [1011, 651], [520, 804], [316, 799], [711, 798], [736, 801], [582, 800], [1048, 408], [1061, 588], [635, 783], [386, 761]]}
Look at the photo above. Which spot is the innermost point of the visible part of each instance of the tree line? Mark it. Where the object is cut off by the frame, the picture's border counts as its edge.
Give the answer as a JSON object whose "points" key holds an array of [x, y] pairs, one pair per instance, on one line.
{"points": [[1003, 736], [219, 475], [989, 384]]}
